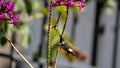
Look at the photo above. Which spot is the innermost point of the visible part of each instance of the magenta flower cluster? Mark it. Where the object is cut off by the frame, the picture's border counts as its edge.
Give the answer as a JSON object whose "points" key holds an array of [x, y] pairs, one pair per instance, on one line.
{"points": [[69, 3], [7, 13]]}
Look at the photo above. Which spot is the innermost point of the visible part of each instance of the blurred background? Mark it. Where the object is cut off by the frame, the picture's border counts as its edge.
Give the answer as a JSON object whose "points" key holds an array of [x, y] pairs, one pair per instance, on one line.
{"points": [[95, 31]]}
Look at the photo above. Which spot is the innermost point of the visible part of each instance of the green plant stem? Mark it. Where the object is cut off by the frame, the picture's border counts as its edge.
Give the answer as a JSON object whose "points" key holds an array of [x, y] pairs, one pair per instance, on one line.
{"points": [[66, 19], [48, 38], [57, 53], [58, 21], [56, 56], [17, 51]]}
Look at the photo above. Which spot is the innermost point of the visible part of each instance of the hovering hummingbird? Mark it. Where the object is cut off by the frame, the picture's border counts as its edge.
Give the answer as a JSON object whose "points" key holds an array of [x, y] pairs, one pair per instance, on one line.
{"points": [[70, 50]]}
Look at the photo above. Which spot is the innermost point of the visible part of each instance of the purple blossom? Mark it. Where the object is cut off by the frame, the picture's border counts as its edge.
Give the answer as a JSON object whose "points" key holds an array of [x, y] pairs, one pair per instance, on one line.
{"points": [[14, 19], [2, 16], [1, 1], [7, 13], [15, 22], [82, 1], [81, 5], [69, 3], [9, 6], [58, 1]]}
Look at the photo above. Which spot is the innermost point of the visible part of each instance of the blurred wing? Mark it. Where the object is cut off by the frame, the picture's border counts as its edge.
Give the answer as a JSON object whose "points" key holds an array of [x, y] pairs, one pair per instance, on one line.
{"points": [[77, 55]]}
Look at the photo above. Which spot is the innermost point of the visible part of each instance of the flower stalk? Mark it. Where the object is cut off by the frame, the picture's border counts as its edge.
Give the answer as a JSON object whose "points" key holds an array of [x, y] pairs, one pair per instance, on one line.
{"points": [[48, 37], [55, 27], [67, 13]]}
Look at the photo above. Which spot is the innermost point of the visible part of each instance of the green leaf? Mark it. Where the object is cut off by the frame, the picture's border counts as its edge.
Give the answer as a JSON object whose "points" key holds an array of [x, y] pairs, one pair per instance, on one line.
{"points": [[3, 40], [28, 5], [53, 52], [44, 10], [110, 6], [20, 5], [21, 25], [5, 28], [11, 29], [36, 56], [35, 4], [61, 9], [25, 34]]}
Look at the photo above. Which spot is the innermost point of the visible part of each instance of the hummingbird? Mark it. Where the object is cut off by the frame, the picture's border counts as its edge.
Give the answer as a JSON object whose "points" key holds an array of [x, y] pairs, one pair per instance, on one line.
{"points": [[70, 50]]}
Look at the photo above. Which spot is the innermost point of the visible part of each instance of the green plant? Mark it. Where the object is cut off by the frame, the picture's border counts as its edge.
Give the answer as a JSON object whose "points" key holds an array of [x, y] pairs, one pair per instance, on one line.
{"points": [[57, 40]]}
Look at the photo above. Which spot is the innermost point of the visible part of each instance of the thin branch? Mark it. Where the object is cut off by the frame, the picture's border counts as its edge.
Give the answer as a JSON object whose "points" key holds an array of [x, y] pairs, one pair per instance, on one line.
{"points": [[57, 53], [17, 51], [58, 21], [65, 20], [56, 57]]}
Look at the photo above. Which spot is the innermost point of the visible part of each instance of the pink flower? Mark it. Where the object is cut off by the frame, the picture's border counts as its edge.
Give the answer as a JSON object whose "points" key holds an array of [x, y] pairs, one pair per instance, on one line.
{"points": [[2, 16], [69, 3], [14, 19], [7, 13]]}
